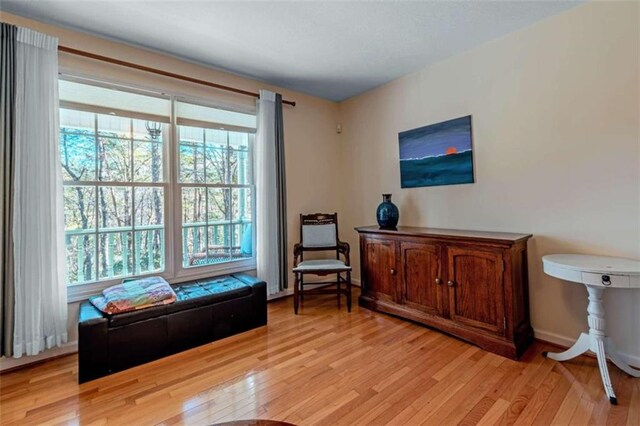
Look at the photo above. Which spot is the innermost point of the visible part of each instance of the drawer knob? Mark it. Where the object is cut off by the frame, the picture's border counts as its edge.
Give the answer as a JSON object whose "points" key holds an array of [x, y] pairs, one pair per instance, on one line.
{"points": [[450, 283], [438, 281], [393, 271], [606, 280]]}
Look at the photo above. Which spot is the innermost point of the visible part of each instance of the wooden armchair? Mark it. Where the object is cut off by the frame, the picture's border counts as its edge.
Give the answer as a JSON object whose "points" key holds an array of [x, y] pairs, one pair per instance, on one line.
{"points": [[319, 232]]}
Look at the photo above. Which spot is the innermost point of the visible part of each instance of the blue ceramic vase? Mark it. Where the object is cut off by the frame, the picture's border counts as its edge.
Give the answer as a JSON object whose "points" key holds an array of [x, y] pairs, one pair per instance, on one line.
{"points": [[387, 213]]}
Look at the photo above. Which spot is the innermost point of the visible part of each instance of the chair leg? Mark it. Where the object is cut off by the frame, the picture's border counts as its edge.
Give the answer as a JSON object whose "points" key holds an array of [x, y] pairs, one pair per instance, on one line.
{"points": [[338, 285], [295, 293], [348, 291]]}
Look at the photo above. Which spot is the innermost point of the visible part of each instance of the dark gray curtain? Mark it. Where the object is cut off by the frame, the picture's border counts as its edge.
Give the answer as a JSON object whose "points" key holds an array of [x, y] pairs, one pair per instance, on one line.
{"points": [[281, 185], [7, 127]]}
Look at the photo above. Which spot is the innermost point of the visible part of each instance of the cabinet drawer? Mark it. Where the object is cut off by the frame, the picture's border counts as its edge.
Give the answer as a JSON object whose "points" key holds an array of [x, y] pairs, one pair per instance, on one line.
{"points": [[600, 280]]}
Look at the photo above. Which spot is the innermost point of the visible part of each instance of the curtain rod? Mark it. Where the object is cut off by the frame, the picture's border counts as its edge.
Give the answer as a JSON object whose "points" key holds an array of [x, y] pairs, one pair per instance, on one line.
{"points": [[114, 61]]}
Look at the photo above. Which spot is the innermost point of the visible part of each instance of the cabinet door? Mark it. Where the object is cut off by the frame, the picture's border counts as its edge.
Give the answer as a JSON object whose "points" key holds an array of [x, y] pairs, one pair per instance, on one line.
{"points": [[421, 276], [476, 288], [379, 267]]}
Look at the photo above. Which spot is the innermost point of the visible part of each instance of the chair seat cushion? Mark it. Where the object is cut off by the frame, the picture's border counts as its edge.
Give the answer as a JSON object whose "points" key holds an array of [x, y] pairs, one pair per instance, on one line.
{"points": [[321, 265]]}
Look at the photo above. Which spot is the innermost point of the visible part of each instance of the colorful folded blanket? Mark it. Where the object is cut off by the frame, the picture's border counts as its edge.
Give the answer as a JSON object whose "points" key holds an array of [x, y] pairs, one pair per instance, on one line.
{"points": [[134, 295]]}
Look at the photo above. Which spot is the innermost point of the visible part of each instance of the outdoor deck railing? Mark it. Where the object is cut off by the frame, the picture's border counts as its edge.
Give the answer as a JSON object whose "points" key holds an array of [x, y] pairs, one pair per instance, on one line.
{"points": [[123, 251]]}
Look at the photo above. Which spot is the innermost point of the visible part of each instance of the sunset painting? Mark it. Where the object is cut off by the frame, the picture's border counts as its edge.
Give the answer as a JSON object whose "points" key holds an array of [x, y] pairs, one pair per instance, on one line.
{"points": [[438, 154]]}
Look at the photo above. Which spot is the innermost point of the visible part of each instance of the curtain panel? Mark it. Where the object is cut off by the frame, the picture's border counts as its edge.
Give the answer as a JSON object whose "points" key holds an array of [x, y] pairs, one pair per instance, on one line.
{"points": [[271, 193], [7, 129], [37, 218], [281, 187]]}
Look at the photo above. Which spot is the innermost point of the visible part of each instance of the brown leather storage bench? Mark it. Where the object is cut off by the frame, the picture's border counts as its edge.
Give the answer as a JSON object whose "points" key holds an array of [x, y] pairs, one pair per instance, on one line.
{"points": [[206, 310]]}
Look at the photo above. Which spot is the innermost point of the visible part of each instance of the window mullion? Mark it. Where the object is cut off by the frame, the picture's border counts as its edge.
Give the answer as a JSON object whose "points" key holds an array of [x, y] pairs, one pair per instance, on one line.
{"points": [[96, 201], [229, 191], [175, 194], [206, 195], [136, 246], [181, 242]]}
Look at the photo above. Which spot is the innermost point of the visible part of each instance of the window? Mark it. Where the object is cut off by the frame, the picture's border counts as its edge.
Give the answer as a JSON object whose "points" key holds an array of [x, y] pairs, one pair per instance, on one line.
{"points": [[216, 184], [117, 158]]}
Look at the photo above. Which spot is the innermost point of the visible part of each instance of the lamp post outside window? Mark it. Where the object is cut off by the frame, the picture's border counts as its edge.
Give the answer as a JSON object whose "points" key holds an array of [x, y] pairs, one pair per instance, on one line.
{"points": [[155, 130]]}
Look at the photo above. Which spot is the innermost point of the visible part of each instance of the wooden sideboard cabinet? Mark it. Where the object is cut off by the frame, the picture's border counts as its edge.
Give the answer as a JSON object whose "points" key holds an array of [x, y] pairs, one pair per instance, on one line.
{"points": [[470, 284]]}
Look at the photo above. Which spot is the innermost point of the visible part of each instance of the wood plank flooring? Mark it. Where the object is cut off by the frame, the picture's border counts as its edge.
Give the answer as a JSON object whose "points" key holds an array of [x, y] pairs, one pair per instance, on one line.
{"points": [[326, 367]]}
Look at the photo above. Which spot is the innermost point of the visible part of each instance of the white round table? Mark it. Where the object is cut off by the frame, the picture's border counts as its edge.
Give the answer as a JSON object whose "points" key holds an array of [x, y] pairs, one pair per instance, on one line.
{"points": [[597, 273]]}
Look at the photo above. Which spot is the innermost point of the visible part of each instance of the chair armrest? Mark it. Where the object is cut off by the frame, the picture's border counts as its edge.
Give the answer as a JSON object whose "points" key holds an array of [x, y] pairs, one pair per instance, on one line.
{"points": [[297, 252], [344, 249]]}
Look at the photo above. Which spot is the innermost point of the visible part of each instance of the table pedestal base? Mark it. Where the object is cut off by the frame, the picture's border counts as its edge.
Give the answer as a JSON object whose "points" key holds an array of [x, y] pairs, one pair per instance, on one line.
{"points": [[597, 342]]}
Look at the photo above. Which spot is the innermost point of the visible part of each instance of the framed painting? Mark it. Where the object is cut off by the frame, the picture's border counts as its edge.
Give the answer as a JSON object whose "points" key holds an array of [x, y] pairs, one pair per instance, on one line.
{"points": [[437, 154]]}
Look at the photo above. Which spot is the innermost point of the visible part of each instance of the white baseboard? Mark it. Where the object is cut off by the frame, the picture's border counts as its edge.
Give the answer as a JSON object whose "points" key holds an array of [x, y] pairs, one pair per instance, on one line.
{"points": [[567, 342], [67, 348]]}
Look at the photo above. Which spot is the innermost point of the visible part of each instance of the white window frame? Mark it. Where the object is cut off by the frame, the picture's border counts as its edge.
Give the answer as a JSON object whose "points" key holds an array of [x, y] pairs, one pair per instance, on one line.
{"points": [[238, 265], [174, 271]]}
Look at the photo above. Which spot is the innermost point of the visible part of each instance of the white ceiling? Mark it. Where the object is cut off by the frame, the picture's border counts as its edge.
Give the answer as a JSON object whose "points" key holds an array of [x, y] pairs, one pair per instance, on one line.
{"points": [[331, 49]]}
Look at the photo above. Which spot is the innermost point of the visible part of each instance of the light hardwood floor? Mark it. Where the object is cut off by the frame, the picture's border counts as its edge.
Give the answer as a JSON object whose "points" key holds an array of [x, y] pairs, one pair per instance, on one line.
{"points": [[326, 367]]}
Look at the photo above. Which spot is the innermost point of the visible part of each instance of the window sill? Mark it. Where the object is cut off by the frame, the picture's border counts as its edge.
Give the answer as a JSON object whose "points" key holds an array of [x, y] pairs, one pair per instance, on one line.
{"points": [[81, 292]]}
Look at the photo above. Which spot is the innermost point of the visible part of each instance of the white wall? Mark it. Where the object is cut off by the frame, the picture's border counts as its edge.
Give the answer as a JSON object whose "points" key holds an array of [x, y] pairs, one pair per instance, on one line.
{"points": [[556, 143]]}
